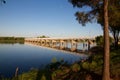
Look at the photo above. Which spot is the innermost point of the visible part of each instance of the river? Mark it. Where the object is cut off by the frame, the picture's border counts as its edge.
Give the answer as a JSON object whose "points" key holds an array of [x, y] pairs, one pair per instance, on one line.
{"points": [[27, 57]]}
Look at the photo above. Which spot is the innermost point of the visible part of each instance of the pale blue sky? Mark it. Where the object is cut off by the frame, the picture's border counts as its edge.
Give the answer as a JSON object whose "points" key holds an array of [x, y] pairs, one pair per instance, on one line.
{"points": [[54, 18]]}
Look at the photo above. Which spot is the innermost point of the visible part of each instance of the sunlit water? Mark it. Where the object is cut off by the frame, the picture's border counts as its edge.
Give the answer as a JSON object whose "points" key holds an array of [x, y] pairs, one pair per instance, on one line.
{"points": [[27, 56]]}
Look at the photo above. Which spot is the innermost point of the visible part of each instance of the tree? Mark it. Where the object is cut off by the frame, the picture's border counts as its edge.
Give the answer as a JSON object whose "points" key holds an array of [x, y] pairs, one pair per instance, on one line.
{"points": [[95, 8], [96, 13], [43, 36], [114, 19], [100, 40], [106, 69], [3, 1]]}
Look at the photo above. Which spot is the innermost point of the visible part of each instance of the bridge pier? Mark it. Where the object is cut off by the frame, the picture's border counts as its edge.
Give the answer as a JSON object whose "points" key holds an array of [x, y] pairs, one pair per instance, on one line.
{"points": [[73, 45], [53, 44], [63, 44], [47, 43]]}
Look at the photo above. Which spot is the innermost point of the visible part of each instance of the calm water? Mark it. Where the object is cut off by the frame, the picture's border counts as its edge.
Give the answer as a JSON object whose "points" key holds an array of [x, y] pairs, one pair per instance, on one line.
{"points": [[27, 56]]}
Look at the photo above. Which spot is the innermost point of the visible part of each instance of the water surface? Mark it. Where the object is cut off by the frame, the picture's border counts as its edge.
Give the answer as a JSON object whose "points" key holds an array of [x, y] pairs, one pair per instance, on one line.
{"points": [[28, 56]]}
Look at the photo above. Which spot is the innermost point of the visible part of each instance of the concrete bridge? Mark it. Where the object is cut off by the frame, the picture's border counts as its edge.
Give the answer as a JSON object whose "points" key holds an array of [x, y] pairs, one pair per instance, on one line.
{"points": [[60, 43]]}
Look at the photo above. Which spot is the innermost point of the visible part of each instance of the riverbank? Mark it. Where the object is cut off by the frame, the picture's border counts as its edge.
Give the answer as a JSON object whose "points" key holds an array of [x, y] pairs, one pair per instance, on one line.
{"points": [[11, 40], [90, 69]]}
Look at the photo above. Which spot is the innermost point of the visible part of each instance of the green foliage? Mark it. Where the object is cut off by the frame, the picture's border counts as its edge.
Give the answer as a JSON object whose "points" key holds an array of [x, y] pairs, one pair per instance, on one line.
{"points": [[56, 64], [3, 1], [74, 71], [12, 40], [54, 60], [31, 75], [75, 67], [90, 15], [100, 40], [94, 13], [93, 65], [86, 65], [43, 77], [43, 36]]}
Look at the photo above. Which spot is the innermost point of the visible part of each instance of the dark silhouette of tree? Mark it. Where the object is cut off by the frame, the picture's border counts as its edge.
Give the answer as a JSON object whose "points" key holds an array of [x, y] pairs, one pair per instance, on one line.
{"points": [[100, 40], [94, 9], [114, 19], [3, 1], [96, 13]]}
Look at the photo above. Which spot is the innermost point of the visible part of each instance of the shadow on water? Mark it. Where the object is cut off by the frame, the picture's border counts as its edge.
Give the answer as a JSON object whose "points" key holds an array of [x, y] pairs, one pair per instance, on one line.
{"points": [[11, 42]]}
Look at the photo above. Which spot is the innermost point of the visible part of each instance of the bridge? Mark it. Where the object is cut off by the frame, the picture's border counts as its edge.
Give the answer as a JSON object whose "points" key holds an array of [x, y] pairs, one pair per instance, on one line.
{"points": [[61, 43]]}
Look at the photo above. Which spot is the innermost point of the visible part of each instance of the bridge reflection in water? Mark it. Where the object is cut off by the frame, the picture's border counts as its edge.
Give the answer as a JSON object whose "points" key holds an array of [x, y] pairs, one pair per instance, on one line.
{"points": [[67, 44]]}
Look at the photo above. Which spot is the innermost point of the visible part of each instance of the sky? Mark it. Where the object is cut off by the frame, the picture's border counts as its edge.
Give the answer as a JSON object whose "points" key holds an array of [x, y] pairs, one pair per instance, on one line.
{"points": [[53, 18]]}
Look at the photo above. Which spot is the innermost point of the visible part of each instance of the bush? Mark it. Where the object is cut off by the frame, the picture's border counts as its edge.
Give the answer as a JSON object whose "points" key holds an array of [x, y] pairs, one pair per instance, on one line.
{"points": [[75, 67]]}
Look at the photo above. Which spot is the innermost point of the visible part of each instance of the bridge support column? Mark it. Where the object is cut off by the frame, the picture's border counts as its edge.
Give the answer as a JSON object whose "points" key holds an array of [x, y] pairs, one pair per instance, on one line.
{"points": [[62, 44], [53, 44], [39, 42], [47, 43], [43, 42], [73, 45]]}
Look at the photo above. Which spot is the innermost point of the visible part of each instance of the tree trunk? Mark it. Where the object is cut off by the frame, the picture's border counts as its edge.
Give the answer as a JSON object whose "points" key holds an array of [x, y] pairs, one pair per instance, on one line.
{"points": [[106, 72]]}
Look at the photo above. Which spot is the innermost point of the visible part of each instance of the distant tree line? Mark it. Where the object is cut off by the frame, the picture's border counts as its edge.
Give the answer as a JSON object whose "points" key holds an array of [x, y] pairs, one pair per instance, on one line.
{"points": [[43, 36], [12, 40]]}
